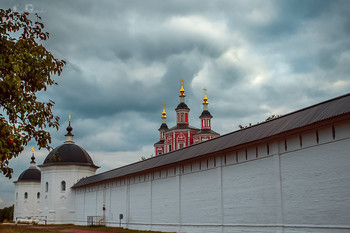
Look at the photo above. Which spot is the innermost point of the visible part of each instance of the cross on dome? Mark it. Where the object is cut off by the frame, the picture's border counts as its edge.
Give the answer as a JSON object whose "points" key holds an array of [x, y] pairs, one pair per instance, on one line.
{"points": [[163, 113], [182, 90], [69, 135], [33, 157], [205, 99]]}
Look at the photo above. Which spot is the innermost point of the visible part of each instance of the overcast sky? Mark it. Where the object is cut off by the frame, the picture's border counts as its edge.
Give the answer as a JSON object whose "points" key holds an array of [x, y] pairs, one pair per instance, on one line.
{"points": [[125, 58]]}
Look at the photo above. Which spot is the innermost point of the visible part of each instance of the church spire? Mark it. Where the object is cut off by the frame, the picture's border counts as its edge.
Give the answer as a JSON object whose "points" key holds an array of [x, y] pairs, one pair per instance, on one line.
{"points": [[69, 135], [205, 116], [163, 114], [163, 126], [205, 100], [182, 110], [159, 146], [32, 163], [182, 90]]}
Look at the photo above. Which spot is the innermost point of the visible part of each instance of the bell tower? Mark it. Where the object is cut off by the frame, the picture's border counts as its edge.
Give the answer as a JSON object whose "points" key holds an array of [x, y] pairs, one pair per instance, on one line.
{"points": [[205, 116], [182, 110], [159, 146]]}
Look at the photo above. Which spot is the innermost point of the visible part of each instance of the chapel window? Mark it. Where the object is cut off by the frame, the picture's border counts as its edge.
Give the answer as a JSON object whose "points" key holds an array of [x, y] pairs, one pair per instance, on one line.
{"points": [[63, 186], [25, 195], [38, 195], [46, 187]]}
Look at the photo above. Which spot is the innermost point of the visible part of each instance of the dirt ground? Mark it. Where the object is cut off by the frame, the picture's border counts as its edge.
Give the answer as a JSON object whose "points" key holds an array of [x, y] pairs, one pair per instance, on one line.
{"points": [[26, 228]]}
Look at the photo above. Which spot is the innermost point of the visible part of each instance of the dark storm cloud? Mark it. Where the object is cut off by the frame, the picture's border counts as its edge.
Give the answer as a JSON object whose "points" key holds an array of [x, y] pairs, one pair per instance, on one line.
{"points": [[125, 58]]}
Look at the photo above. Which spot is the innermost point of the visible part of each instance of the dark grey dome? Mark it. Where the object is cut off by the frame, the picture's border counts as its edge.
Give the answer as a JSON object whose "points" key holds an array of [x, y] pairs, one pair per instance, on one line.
{"points": [[69, 154], [182, 105], [205, 114], [31, 174], [163, 126]]}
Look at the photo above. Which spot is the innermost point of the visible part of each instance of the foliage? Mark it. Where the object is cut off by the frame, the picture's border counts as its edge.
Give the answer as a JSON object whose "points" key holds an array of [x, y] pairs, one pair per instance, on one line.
{"points": [[272, 117], [144, 158], [6, 214], [26, 68], [267, 119]]}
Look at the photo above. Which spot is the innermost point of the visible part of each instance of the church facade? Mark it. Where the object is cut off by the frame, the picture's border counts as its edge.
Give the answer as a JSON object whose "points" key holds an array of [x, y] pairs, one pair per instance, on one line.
{"points": [[183, 134], [289, 174]]}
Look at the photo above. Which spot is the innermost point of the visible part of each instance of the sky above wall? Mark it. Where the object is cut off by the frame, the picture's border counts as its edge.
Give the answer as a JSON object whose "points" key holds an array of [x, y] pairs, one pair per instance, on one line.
{"points": [[125, 58]]}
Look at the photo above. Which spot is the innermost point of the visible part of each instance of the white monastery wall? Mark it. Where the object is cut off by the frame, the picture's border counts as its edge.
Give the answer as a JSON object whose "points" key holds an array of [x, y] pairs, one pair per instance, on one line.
{"points": [[296, 183], [165, 197]]}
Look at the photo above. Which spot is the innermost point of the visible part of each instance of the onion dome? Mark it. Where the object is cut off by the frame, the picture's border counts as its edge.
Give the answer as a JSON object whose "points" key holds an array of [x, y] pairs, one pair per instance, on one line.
{"points": [[163, 126], [69, 153], [205, 113], [32, 174]]}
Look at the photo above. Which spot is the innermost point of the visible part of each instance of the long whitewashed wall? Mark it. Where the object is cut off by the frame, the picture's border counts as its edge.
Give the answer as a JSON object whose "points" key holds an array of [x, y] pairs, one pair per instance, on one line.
{"points": [[298, 183]]}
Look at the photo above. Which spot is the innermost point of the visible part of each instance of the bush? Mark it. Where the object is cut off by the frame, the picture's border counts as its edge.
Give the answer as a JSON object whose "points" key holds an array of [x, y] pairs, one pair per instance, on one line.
{"points": [[6, 214]]}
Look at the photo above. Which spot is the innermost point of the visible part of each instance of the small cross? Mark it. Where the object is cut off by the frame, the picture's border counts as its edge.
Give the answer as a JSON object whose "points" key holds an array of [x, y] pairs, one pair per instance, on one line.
{"points": [[163, 105], [182, 81], [205, 91]]}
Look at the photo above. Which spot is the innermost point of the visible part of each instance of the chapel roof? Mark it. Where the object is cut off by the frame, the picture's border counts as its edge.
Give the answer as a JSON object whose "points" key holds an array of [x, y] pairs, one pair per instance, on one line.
{"points": [[31, 174], [160, 142], [207, 131], [68, 153], [163, 126], [182, 105], [336, 107], [205, 114], [181, 127]]}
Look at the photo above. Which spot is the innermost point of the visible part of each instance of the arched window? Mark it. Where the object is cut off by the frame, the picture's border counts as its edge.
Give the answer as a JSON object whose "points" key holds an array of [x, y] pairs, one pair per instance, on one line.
{"points": [[63, 186], [46, 187], [16, 196], [38, 195], [25, 195]]}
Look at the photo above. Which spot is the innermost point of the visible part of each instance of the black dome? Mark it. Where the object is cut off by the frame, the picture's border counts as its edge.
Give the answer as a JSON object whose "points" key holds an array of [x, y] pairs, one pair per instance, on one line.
{"points": [[31, 174], [163, 126], [206, 113], [68, 153], [181, 105]]}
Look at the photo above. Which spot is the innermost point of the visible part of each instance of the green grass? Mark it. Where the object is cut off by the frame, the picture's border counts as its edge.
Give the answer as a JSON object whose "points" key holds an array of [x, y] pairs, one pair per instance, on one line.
{"points": [[5, 228]]}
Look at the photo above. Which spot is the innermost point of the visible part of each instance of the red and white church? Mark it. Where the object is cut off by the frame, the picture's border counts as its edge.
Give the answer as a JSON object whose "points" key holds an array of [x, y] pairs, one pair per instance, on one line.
{"points": [[183, 134]]}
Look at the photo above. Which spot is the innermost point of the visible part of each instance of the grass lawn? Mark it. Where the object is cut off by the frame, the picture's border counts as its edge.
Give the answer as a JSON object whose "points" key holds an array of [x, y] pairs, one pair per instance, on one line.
{"points": [[7, 228]]}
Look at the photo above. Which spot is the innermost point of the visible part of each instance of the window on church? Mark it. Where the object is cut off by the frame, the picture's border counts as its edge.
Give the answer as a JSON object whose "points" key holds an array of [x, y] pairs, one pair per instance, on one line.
{"points": [[25, 195], [63, 186], [46, 187], [16, 196], [160, 151], [38, 195]]}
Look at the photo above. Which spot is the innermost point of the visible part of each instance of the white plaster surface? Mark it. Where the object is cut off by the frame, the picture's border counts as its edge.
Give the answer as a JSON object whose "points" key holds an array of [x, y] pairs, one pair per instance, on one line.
{"points": [[301, 188], [292, 184]]}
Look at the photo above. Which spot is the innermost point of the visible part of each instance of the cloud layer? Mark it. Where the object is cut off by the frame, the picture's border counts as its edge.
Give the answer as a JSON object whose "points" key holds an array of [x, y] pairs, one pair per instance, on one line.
{"points": [[124, 59]]}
